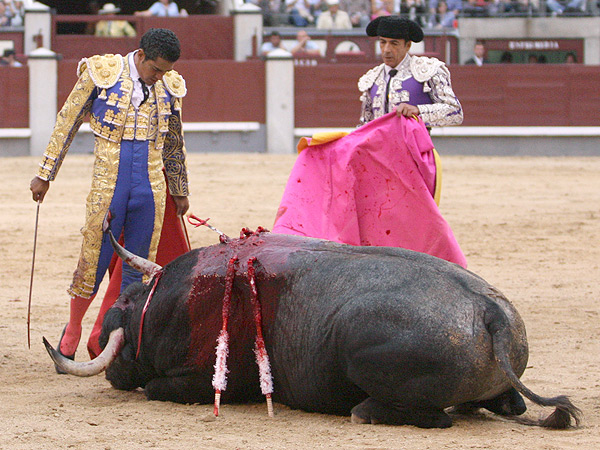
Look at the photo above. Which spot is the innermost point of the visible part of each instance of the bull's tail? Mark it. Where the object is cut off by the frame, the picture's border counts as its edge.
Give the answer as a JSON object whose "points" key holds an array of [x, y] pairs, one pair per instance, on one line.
{"points": [[565, 410]]}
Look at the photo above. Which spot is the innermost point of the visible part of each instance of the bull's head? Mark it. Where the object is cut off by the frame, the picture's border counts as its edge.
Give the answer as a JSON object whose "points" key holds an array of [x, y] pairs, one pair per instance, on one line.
{"points": [[116, 338]]}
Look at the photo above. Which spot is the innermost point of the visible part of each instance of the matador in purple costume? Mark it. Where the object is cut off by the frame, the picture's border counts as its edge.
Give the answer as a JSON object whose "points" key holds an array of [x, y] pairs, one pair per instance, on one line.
{"points": [[412, 85], [134, 104], [380, 184]]}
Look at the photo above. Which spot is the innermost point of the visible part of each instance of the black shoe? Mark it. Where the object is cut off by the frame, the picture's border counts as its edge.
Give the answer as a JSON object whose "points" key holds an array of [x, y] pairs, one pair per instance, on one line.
{"points": [[71, 357]]}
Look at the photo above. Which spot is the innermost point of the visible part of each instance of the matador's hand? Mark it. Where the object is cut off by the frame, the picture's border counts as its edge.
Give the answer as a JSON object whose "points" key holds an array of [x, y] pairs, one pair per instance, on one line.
{"points": [[182, 204], [404, 109], [38, 188]]}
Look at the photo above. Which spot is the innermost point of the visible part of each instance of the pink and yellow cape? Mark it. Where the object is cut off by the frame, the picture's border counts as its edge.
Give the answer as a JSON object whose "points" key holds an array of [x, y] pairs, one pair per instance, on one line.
{"points": [[375, 186]]}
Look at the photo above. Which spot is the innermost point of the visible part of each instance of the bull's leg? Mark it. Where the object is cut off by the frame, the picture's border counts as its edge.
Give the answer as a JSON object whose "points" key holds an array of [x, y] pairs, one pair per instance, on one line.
{"points": [[180, 389], [509, 403], [374, 411], [400, 378]]}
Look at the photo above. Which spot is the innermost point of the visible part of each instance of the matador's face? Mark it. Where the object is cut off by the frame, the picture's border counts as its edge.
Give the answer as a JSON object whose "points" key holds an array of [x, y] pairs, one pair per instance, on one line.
{"points": [[151, 70], [393, 51]]}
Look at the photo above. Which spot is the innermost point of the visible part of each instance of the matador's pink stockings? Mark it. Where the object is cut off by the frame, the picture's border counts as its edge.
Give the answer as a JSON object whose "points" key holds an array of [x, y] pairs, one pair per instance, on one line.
{"points": [[72, 333]]}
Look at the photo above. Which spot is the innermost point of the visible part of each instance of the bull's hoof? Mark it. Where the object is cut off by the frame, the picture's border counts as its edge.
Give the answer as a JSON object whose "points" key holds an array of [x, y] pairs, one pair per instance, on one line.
{"points": [[359, 420], [375, 412]]}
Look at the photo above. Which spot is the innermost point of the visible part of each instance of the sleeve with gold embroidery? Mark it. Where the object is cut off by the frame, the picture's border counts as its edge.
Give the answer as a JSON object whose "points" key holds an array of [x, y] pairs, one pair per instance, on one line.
{"points": [[68, 121], [174, 154]]}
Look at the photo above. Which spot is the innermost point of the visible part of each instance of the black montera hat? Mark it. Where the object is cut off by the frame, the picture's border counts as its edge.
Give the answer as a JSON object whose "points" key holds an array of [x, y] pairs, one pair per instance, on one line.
{"points": [[395, 27]]}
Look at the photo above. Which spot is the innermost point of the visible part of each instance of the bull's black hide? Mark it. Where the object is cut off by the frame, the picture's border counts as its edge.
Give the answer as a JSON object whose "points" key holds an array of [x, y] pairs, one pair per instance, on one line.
{"points": [[399, 336]]}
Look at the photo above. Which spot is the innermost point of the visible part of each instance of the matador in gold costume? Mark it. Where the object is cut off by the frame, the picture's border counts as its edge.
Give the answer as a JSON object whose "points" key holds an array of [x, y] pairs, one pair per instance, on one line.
{"points": [[134, 104]]}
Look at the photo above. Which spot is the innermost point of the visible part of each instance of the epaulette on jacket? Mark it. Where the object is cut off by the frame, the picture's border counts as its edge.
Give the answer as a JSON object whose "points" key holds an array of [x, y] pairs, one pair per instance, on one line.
{"points": [[174, 83], [366, 81], [105, 70], [424, 67]]}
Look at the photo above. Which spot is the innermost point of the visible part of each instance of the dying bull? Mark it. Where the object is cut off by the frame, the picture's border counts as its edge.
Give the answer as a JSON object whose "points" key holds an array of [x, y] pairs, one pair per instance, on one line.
{"points": [[385, 334]]}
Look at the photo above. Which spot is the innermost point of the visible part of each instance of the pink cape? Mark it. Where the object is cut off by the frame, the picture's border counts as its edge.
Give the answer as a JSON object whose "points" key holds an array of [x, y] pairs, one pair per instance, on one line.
{"points": [[374, 186]]}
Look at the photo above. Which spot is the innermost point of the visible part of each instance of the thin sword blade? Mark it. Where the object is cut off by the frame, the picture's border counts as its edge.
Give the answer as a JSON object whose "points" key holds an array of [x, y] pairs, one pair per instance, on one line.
{"points": [[37, 216]]}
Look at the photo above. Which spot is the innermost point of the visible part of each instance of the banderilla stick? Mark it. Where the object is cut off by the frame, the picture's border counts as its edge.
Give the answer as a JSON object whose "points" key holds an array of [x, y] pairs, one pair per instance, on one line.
{"points": [[262, 358], [196, 221], [220, 376]]}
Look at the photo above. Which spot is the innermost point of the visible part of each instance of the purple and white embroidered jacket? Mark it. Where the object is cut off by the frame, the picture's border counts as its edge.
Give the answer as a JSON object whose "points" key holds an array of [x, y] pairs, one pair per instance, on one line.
{"points": [[421, 81]]}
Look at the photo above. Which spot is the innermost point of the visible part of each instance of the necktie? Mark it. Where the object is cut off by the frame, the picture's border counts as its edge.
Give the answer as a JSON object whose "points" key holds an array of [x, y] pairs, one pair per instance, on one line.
{"points": [[387, 90], [145, 91]]}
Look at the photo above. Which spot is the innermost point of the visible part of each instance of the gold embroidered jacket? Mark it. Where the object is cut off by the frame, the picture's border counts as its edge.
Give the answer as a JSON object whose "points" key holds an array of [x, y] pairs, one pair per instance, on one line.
{"points": [[106, 78], [103, 90]]}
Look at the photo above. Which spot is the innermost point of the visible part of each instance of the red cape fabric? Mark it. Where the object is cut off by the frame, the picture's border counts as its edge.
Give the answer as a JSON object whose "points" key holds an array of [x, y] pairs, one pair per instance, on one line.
{"points": [[372, 187]]}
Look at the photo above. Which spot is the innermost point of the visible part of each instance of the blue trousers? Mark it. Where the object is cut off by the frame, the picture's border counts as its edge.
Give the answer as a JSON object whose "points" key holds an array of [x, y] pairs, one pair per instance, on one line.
{"points": [[132, 209]]}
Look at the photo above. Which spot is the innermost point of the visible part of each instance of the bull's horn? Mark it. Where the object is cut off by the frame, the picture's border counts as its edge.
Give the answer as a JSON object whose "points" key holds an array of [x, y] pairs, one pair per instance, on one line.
{"points": [[137, 262], [96, 365]]}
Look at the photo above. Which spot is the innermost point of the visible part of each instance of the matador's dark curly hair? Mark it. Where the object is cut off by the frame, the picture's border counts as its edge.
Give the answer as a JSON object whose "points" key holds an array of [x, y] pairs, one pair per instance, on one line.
{"points": [[160, 42]]}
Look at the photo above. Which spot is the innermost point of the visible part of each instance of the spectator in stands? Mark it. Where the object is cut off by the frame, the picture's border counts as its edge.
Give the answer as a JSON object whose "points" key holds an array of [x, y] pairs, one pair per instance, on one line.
{"points": [[570, 58], [443, 18], [379, 10], [163, 8], [455, 6], [358, 10], [531, 6], [415, 10], [113, 28], [558, 7], [15, 10], [316, 7], [9, 59], [304, 46], [334, 18], [299, 11], [93, 8], [273, 12], [475, 8], [478, 57], [503, 7], [4, 17], [506, 58], [273, 43]]}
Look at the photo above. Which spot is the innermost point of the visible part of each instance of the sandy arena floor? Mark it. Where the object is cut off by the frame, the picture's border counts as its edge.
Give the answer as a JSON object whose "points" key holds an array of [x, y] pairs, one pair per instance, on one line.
{"points": [[530, 226]]}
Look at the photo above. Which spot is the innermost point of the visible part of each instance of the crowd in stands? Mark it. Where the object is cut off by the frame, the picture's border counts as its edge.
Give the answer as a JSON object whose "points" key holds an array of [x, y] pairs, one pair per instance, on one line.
{"points": [[479, 57], [428, 13], [325, 15], [12, 13], [163, 8], [9, 59], [120, 28], [347, 14]]}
